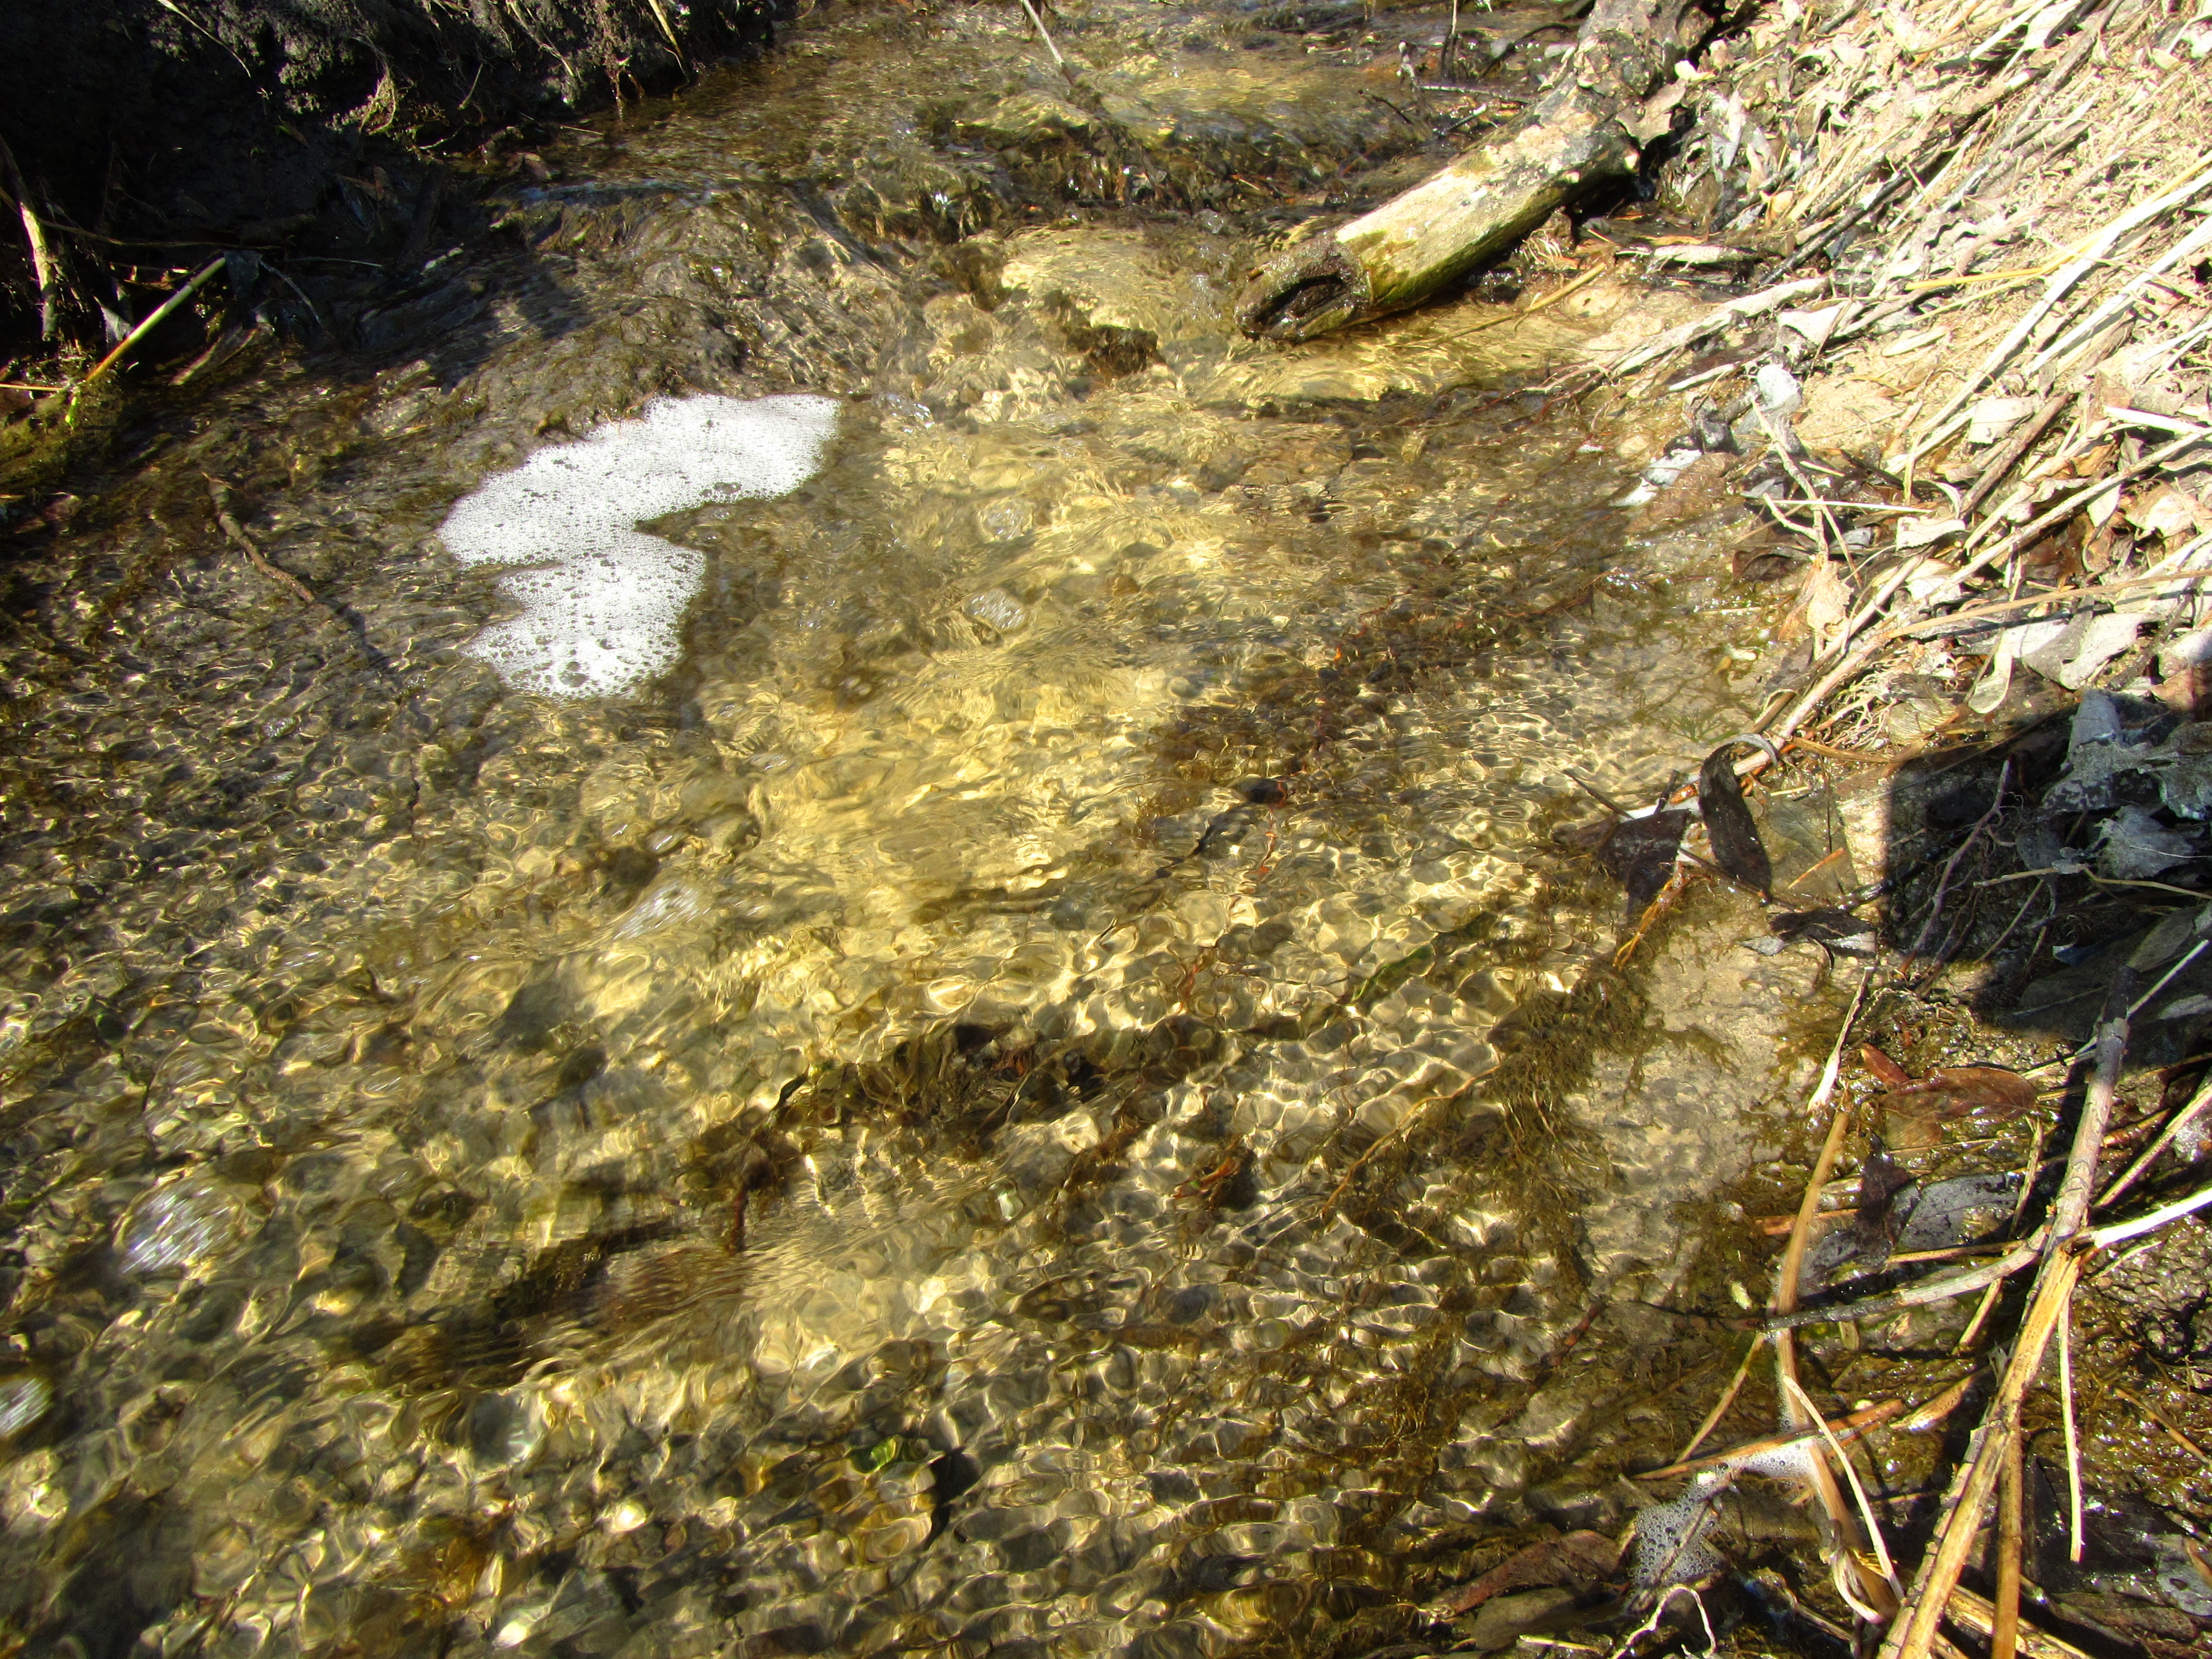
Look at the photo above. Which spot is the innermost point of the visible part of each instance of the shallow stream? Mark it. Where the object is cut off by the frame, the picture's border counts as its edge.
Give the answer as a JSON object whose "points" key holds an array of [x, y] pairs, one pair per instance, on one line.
{"points": [[1048, 1089]]}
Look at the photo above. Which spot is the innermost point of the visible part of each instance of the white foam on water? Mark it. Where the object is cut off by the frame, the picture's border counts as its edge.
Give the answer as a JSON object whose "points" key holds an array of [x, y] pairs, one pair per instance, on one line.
{"points": [[603, 602]]}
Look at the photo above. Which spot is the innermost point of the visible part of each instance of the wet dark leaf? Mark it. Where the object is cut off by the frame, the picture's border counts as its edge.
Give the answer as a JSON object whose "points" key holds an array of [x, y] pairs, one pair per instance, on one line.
{"points": [[1881, 1178], [1640, 853], [1737, 846], [1839, 930], [1578, 1560]]}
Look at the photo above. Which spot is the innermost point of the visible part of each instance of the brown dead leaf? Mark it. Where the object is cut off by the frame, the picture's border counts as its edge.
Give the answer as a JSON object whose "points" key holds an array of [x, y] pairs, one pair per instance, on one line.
{"points": [[1884, 1070], [1579, 1560], [1827, 600], [1956, 1091], [2166, 512]]}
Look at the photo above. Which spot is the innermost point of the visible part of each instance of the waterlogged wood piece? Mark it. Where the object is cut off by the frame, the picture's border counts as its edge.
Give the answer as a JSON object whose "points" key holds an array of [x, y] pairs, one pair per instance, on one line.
{"points": [[1589, 127]]}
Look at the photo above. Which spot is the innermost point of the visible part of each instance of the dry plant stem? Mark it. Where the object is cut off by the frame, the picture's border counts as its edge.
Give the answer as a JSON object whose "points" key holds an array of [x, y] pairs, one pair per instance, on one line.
{"points": [[1844, 1524], [2164, 1422], [44, 271], [160, 314], [1042, 35], [2063, 283], [2175, 1127], [1912, 1635], [1855, 663], [259, 560], [2008, 457], [2121, 1232], [1977, 1615], [1858, 1423], [2004, 1631], [1858, 1492], [2073, 1440], [1951, 865]]}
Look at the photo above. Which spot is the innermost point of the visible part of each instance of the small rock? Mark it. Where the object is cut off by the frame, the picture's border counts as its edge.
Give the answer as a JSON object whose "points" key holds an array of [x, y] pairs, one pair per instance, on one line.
{"points": [[1777, 390], [998, 610]]}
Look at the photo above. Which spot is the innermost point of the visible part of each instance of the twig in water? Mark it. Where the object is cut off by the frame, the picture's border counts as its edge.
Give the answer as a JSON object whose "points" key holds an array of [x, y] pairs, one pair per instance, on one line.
{"points": [[1844, 1525], [2159, 1418], [1912, 1636], [1045, 36], [1712, 1641], [2004, 1626], [1913, 1296], [1728, 1398], [2120, 1232], [1850, 1428], [1858, 1492], [220, 492]]}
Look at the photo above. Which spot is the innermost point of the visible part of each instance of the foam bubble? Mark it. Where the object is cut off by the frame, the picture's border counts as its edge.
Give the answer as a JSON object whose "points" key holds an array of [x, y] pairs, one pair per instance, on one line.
{"points": [[603, 603]]}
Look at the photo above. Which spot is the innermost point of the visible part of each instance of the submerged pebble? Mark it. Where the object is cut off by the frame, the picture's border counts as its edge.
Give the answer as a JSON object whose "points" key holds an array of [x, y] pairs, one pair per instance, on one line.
{"points": [[24, 1399], [997, 609], [179, 1226]]}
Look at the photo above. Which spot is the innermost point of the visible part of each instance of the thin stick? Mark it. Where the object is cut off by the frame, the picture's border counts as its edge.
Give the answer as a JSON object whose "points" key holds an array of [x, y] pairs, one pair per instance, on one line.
{"points": [[1951, 865], [160, 313], [1858, 1423], [2063, 282], [1857, 661], [2160, 1418], [1914, 1296], [2106, 1237], [1783, 1300], [1979, 1617], [2066, 1417], [1912, 1636], [260, 561], [1974, 1325], [1043, 35], [1728, 1398], [2175, 1127]]}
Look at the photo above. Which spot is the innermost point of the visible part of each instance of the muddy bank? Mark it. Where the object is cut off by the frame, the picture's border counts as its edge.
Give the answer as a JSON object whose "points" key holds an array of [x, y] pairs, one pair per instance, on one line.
{"points": [[146, 136]]}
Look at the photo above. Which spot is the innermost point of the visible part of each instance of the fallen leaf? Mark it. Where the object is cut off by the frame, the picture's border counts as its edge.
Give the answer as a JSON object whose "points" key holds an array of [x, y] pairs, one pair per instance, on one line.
{"points": [[2167, 512], [1956, 1091], [1580, 1558], [1884, 1070], [1737, 848], [1640, 853], [1827, 600]]}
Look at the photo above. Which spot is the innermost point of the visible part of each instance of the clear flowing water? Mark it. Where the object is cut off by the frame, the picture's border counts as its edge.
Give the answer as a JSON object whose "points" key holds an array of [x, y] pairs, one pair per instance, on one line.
{"points": [[1049, 1090]]}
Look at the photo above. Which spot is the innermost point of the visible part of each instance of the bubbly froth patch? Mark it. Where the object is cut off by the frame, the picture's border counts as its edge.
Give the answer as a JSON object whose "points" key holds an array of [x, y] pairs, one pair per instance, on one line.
{"points": [[603, 601]]}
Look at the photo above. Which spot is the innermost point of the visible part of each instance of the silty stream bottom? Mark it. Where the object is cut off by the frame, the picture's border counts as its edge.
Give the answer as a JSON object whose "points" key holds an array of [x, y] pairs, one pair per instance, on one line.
{"points": [[1048, 1091]]}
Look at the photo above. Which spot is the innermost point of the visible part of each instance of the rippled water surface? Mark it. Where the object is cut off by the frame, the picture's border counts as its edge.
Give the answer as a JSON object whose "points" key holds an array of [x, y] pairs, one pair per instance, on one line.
{"points": [[1049, 1090]]}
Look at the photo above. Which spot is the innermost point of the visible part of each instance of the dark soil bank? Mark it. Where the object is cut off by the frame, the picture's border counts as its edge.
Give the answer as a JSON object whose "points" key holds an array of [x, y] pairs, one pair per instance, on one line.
{"points": [[143, 133]]}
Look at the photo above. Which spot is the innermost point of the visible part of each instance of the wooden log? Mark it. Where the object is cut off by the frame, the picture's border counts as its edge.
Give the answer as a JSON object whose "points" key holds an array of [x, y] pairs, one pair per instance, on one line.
{"points": [[1589, 127]]}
